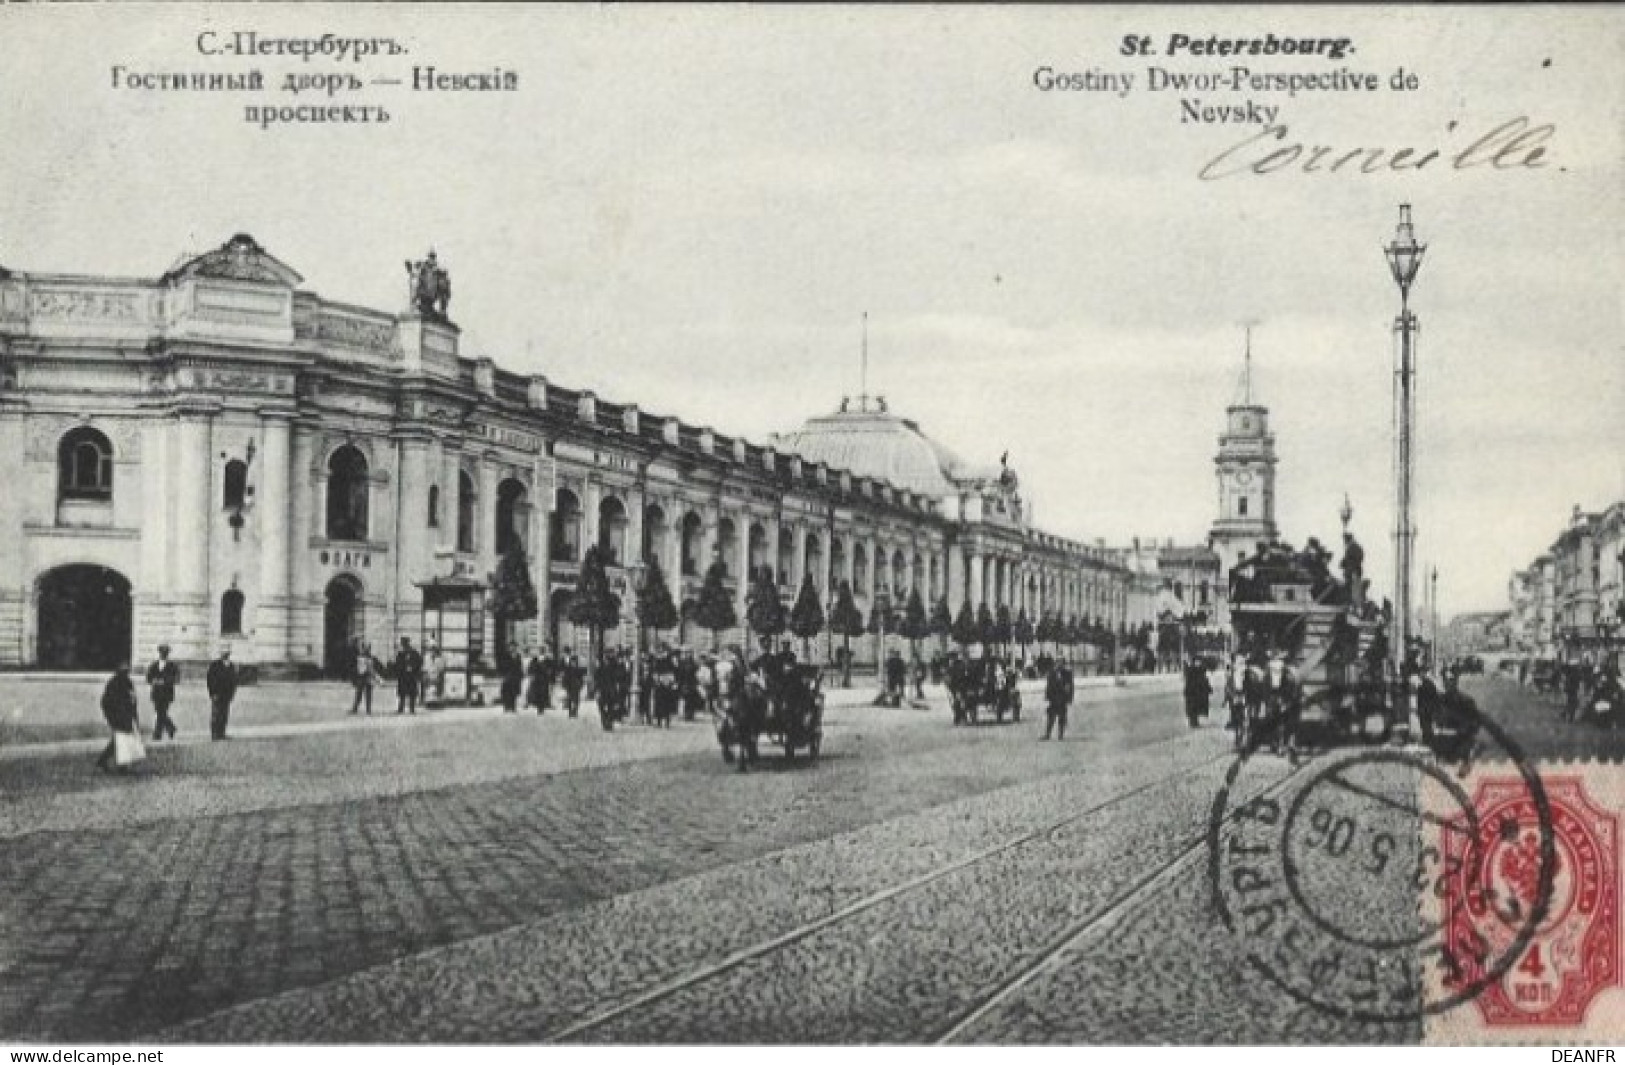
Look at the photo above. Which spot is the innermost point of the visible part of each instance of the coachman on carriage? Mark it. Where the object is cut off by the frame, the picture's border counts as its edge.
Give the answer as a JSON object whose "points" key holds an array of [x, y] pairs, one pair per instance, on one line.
{"points": [[986, 684], [777, 699]]}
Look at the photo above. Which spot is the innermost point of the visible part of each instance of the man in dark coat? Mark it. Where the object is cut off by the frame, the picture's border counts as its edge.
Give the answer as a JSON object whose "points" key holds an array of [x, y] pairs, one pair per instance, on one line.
{"points": [[539, 694], [1198, 690], [163, 676], [118, 707], [513, 681], [222, 685], [1058, 692], [408, 677], [571, 677]]}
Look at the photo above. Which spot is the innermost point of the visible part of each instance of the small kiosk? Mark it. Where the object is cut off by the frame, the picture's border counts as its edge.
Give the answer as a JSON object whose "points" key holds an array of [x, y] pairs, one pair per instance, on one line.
{"points": [[453, 621]]}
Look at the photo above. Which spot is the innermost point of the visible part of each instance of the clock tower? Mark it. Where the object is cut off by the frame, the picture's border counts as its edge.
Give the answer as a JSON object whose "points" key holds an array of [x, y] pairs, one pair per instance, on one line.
{"points": [[1246, 471]]}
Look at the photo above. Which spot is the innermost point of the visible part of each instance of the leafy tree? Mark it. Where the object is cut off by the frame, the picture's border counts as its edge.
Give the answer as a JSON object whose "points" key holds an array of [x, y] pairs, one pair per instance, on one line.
{"points": [[1003, 627], [714, 610], [965, 630], [914, 625], [846, 621], [807, 616], [986, 627], [942, 621], [513, 596], [594, 605], [656, 609], [1023, 631], [763, 610]]}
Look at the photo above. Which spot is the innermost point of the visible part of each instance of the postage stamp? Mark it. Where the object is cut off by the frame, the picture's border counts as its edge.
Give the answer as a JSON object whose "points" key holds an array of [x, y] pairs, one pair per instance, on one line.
{"points": [[1544, 893]]}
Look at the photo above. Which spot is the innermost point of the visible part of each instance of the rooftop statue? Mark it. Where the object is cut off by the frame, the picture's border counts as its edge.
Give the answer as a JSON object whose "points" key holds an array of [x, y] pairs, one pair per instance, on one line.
{"points": [[429, 287]]}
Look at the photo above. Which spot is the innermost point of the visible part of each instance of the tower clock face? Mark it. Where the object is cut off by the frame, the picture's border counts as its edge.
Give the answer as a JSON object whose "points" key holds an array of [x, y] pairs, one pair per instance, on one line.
{"points": [[1244, 477]]}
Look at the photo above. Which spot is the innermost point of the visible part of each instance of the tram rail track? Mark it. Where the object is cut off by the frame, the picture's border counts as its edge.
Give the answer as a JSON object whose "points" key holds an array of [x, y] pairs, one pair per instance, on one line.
{"points": [[1121, 904]]}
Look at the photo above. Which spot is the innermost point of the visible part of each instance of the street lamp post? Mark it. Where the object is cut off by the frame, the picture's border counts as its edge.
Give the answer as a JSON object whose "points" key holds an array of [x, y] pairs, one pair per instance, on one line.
{"points": [[636, 572], [1404, 260], [1433, 616]]}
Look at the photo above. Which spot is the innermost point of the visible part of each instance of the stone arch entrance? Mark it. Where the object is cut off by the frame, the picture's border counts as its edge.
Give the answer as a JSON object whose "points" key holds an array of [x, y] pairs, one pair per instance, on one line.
{"points": [[341, 622], [84, 618]]}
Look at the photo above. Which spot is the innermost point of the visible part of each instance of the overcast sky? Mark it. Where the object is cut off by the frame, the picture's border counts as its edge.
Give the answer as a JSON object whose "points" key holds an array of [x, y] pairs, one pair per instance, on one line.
{"points": [[692, 209]]}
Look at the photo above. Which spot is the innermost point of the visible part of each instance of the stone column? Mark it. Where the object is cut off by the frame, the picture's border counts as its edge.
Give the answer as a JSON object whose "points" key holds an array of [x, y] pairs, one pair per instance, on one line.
{"points": [[194, 497], [450, 494], [592, 497], [485, 515], [273, 503], [541, 559], [741, 566], [974, 565], [798, 559], [413, 550]]}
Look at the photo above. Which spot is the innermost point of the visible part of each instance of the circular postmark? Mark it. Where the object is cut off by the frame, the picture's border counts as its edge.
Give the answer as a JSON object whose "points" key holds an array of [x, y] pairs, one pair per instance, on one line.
{"points": [[1334, 878]]}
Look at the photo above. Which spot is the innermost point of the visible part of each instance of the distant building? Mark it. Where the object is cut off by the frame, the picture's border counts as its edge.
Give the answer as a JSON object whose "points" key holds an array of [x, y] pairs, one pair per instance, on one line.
{"points": [[218, 455], [1483, 632], [1570, 603]]}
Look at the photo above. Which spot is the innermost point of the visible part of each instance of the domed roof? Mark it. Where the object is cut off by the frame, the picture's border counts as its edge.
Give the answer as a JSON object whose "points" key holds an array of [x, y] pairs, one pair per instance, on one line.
{"points": [[878, 444]]}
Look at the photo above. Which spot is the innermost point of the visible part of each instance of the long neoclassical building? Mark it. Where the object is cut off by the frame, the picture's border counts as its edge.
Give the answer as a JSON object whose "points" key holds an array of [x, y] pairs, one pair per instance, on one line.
{"points": [[218, 455]]}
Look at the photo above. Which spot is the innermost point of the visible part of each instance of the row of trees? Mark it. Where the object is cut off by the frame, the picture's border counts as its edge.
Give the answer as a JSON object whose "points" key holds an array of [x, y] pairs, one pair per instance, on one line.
{"points": [[595, 606]]}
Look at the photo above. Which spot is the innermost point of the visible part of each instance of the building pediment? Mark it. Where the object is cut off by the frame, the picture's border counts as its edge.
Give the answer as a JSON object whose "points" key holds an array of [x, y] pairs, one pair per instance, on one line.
{"points": [[239, 259]]}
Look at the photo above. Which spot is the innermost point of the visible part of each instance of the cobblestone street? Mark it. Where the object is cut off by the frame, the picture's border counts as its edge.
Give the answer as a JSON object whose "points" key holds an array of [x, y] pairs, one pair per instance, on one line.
{"points": [[482, 878]]}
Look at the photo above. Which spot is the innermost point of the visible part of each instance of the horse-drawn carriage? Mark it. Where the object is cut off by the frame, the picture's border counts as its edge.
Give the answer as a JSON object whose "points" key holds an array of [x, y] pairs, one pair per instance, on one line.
{"points": [[786, 708], [1323, 641], [983, 686]]}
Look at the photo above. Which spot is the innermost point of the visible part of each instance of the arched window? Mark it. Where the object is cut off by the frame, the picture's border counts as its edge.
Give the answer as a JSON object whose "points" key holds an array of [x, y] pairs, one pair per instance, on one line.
{"points": [[612, 523], [513, 517], [787, 555], [434, 506], [860, 570], [566, 526], [85, 465], [727, 546], [757, 547], [347, 495], [236, 490], [654, 533], [465, 512], [231, 613], [692, 537]]}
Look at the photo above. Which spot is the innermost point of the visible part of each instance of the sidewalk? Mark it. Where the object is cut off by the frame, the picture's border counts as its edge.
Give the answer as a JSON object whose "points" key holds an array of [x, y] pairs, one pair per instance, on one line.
{"points": [[44, 715]]}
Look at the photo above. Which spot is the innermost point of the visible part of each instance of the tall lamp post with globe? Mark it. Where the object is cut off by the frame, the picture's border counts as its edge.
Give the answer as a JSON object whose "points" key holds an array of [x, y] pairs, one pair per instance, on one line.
{"points": [[1404, 260]]}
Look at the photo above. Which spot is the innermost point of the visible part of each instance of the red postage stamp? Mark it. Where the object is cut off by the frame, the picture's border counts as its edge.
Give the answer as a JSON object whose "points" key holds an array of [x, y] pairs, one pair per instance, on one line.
{"points": [[1527, 898]]}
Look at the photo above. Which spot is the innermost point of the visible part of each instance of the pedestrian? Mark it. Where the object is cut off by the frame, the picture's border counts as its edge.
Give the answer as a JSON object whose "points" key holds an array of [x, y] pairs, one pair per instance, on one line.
{"points": [[434, 674], [919, 679], [119, 709], [363, 675], [572, 677], [513, 680], [1198, 690], [1427, 704], [1058, 691], [1283, 695], [163, 676], [408, 677], [222, 684], [537, 693]]}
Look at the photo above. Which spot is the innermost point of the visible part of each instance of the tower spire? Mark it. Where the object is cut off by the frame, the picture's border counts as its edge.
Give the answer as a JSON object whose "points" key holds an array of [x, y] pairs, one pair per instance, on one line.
{"points": [[1244, 386], [1247, 369], [863, 380]]}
